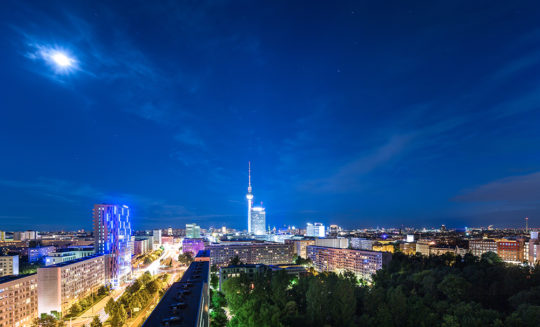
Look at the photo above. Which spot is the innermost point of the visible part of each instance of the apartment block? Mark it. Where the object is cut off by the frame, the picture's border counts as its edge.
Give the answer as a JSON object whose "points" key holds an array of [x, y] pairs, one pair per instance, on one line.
{"points": [[363, 263], [61, 285], [18, 300]]}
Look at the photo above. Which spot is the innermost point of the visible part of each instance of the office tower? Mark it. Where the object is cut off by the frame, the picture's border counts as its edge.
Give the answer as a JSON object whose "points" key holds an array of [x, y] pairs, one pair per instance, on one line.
{"points": [[533, 255], [363, 263], [2, 236], [249, 197], [251, 253], [193, 231], [258, 220], [61, 285], [156, 233], [315, 230], [112, 233], [9, 265], [18, 300]]}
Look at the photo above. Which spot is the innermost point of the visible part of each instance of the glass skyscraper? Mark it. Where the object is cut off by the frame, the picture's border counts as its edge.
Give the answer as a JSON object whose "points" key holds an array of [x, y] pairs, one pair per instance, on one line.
{"points": [[258, 220], [112, 233]]}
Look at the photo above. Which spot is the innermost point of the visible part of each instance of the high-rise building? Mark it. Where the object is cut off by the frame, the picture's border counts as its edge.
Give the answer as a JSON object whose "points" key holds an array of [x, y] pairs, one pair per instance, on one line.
{"points": [[315, 230], [251, 253], [61, 285], [511, 251], [193, 231], [258, 220], [9, 265], [156, 233], [18, 300], [363, 263], [112, 233], [2, 236], [300, 246]]}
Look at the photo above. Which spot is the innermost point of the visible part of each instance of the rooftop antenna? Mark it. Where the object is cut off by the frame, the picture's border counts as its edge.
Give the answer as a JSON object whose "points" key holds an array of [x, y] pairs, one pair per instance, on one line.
{"points": [[249, 176]]}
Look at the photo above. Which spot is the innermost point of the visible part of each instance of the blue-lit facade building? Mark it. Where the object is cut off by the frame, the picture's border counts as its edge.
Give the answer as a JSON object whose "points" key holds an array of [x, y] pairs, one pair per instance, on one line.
{"points": [[112, 234], [258, 220]]}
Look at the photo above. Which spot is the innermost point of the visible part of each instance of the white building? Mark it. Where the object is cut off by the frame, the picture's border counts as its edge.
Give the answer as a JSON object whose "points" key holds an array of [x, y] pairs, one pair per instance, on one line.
{"points": [[341, 243], [61, 285], [258, 220], [315, 230]]}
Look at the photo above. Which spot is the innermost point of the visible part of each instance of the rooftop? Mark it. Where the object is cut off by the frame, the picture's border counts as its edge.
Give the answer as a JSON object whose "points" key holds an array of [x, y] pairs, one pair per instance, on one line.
{"points": [[67, 263], [5, 279], [182, 303]]}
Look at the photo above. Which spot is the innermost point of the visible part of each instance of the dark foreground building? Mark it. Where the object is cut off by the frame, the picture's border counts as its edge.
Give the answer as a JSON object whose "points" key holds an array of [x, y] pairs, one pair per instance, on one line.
{"points": [[187, 302]]}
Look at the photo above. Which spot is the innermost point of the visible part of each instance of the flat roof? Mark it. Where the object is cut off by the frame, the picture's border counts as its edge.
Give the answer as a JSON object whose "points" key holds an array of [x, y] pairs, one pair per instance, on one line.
{"points": [[10, 278], [180, 305], [67, 263]]}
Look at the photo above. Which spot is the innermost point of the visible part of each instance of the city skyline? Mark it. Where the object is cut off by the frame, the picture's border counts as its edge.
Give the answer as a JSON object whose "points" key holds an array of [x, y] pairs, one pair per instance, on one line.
{"points": [[359, 114]]}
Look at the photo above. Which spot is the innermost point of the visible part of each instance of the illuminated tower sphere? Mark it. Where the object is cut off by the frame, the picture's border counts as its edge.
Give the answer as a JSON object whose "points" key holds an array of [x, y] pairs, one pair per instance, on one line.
{"points": [[112, 233], [249, 197]]}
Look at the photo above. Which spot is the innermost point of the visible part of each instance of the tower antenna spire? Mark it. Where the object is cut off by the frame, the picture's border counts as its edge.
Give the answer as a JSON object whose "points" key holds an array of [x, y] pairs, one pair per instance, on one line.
{"points": [[249, 176]]}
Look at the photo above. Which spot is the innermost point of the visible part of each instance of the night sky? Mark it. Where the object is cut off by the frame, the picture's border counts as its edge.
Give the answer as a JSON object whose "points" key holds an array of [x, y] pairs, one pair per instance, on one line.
{"points": [[362, 113]]}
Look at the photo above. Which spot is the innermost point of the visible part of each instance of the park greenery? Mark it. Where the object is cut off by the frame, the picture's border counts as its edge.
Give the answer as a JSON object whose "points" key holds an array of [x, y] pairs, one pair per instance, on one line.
{"points": [[150, 257], [185, 258], [136, 297], [84, 304], [446, 291], [46, 320]]}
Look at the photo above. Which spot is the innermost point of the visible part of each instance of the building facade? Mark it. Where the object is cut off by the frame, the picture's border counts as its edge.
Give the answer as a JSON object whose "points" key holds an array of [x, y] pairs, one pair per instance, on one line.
{"points": [[9, 265], [68, 254], [193, 245], [300, 246], [315, 230], [193, 231], [258, 220], [511, 251], [361, 243], [18, 300], [112, 233], [479, 247], [142, 245], [363, 263], [38, 253], [341, 243], [251, 253], [61, 285]]}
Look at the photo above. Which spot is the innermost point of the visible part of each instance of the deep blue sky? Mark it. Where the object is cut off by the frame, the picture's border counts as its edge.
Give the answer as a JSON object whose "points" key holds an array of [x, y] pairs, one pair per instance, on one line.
{"points": [[359, 113]]}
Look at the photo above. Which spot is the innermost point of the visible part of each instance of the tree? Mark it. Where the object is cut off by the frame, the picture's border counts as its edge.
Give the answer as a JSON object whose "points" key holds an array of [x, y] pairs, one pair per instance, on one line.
{"points": [[214, 281], [110, 307], [75, 308], [96, 322], [47, 320], [119, 317], [185, 258]]}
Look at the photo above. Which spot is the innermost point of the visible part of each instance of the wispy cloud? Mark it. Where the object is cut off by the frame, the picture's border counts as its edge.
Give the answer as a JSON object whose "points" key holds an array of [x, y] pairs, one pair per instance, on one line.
{"points": [[522, 188]]}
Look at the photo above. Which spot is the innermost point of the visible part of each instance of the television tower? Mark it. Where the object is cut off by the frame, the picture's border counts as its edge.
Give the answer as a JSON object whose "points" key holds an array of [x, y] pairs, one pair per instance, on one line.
{"points": [[249, 197]]}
